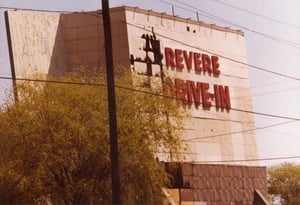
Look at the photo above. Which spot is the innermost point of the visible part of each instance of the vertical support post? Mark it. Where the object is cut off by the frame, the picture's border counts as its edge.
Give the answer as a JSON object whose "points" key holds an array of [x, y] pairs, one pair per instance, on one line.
{"points": [[11, 57], [173, 12], [114, 153]]}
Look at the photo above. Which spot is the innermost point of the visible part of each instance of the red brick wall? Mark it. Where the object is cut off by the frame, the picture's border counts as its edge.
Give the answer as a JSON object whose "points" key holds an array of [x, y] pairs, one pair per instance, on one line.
{"points": [[222, 184]]}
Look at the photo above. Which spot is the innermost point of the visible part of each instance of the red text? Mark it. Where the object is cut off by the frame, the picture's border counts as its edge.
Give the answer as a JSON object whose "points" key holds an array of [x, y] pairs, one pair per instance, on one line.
{"points": [[181, 59]]}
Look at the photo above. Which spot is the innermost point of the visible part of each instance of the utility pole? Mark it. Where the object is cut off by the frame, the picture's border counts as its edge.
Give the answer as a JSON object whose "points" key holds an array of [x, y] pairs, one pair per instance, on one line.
{"points": [[114, 153]]}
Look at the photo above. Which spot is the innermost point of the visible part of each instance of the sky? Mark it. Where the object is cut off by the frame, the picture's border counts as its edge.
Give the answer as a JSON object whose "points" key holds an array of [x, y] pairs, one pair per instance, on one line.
{"points": [[272, 34]]}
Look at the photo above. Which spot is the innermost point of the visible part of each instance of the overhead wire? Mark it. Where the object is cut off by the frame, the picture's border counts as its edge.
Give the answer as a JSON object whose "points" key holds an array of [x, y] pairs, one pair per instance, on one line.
{"points": [[271, 84], [206, 15], [268, 92], [257, 14], [232, 160], [227, 58], [249, 160], [219, 19], [197, 48], [96, 84], [93, 15], [142, 91], [287, 42], [40, 10], [283, 134], [80, 83], [53, 81], [219, 55], [234, 60], [237, 132], [235, 109], [45, 10]]}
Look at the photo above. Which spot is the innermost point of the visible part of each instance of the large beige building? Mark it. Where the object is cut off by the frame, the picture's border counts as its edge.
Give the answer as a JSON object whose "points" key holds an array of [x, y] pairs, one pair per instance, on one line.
{"points": [[206, 64]]}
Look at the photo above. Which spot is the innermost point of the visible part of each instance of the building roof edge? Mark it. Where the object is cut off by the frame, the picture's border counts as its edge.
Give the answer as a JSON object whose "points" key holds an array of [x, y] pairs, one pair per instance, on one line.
{"points": [[178, 18]]}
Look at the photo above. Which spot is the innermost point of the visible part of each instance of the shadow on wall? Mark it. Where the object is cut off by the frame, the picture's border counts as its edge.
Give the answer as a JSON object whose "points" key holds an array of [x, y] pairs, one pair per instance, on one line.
{"points": [[58, 63], [78, 45]]}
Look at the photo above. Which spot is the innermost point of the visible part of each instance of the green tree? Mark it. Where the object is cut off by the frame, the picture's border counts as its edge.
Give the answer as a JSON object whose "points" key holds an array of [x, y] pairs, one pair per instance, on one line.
{"points": [[54, 142], [284, 180]]}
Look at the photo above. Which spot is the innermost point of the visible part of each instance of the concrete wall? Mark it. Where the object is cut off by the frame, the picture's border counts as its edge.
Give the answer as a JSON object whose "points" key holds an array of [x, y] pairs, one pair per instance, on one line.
{"points": [[53, 43], [84, 38], [34, 35]]}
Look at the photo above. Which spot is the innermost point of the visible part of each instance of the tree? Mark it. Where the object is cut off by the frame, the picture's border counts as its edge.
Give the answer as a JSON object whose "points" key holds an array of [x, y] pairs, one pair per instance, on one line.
{"points": [[284, 180], [54, 142]]}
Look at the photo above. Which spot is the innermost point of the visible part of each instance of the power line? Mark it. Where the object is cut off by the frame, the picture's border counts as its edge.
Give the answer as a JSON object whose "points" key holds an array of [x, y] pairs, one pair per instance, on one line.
{"points": [[229, 59], [269, 92], [271, 84], [222, 119], [142, 91], [54, 81], [290, 43], [146, 92], [251, 160], [222, 56], [208, 15], [94, 84], [135, 90], [257, 14], [233, 160], [237, 132], [287, 42], [52, 11], [237, 61], [41, 10], [283, 134], [239, 110], [234, 61]]}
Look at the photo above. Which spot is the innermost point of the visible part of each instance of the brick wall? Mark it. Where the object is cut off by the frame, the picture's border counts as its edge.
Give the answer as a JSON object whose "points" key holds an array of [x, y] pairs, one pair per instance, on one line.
{"points": [[221, 184]]}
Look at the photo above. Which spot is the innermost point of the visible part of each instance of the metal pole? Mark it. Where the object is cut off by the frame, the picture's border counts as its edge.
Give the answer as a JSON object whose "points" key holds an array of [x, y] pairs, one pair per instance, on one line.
{"points": [[173, 10], [114, 155]]}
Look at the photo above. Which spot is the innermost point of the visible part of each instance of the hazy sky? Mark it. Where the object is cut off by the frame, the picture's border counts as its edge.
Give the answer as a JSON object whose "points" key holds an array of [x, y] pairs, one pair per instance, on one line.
{"points": [[272, 40]]}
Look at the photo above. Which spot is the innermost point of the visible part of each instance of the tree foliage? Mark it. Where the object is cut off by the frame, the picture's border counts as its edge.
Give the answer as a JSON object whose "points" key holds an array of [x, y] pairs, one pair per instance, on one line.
{"points": [[54, 142], [284, 180]]}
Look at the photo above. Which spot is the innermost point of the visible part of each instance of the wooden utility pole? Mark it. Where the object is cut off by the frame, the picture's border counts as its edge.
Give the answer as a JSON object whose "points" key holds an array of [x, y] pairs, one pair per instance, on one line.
{"points": [[114, 153]]}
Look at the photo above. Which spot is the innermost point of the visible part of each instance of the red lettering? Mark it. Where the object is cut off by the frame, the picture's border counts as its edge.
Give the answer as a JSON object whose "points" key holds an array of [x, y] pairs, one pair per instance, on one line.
{"points": [[224, 97], [215, 65], [181, 89], [217, 96], [206, 63], [169, 57], [202, 62], [194, 91], [190, 91], [205, 95], [197, 62], [179, 59], [188, 59]]}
